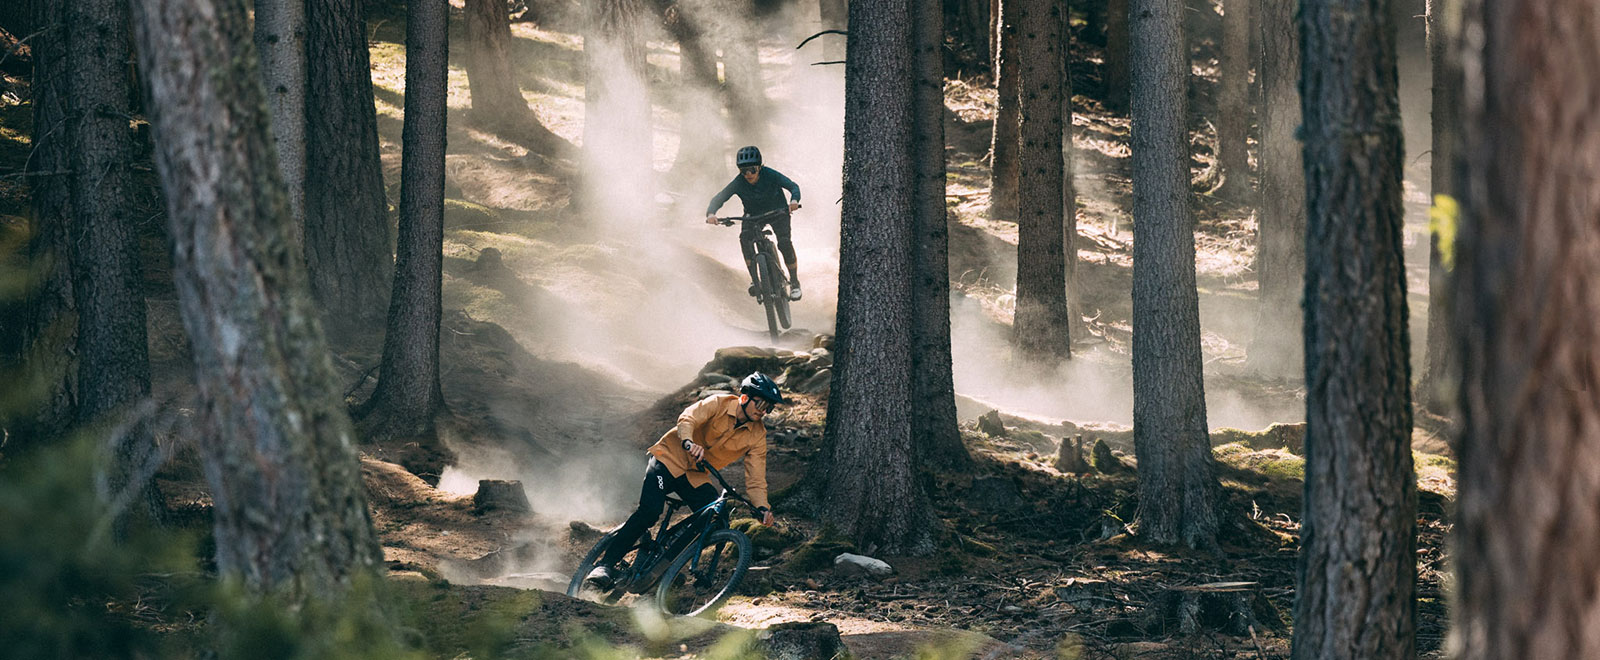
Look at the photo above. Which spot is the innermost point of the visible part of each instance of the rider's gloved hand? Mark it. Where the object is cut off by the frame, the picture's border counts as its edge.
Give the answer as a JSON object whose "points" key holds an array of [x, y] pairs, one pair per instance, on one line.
{"points": [[766, 516], [794, 206], [695, 451], [711, 219]]}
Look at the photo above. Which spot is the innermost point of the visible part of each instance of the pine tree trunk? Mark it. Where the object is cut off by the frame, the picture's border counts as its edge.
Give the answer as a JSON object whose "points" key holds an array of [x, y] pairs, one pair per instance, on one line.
{"points": [[1233, 109], [701, 135], [1039, 329], [741, 67], [280, 38], [1526, 281], [1440, 376], [1356, 583], [1281, 218], [616, 127], [113, 351], [347, 235], [866, 469], [496, 97], [1114, 75], [408, 395], [49, 331], [1177, 485], [1004, 172], [278, 450], [934, 427]]}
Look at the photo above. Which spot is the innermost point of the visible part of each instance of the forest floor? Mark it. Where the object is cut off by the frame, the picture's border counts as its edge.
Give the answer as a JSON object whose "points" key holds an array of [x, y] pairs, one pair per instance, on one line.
{"points": [[574, 351]]}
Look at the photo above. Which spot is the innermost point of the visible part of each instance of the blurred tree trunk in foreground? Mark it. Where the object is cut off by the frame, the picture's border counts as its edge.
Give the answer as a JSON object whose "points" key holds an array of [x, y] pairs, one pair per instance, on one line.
{"points": [[279, 453], [1527, 293]]}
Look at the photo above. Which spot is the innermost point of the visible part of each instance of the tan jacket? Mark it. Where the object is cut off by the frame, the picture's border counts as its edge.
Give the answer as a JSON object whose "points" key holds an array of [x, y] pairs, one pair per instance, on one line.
{"points": [[712, 423]]}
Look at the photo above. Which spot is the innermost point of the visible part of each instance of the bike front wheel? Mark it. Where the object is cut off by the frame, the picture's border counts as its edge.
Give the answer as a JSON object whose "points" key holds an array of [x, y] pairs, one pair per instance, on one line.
{"points": [[704, 577]]}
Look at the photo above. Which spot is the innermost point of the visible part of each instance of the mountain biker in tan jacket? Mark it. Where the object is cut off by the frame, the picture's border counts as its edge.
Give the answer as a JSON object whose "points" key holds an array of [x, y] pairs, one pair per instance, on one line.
{"points": [[719, 429]]}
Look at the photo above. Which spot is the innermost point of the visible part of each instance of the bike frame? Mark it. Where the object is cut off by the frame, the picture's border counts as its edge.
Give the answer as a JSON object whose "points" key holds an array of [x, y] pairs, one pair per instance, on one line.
{"points": [[646, 571]]}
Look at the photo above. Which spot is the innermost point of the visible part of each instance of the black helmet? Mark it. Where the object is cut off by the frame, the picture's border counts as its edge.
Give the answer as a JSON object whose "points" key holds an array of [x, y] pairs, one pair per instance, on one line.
{"points": [[758, 385], [747, 156]]}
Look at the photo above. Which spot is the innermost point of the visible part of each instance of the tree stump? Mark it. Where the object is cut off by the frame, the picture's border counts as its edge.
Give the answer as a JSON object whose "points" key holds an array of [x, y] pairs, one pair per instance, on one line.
{"points": [[1232, 608], [1069, 458], [802, 640], [499, 495]]}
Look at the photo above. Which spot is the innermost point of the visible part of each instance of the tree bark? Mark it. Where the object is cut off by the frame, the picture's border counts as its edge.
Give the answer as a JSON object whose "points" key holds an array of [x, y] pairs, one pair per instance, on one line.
{"points": [[1233, 101], [1115, 72], [1069, 193], [277, 448], [1039, 328], [496, 97], [280, 38], [866, 469], [348, 239], [1440, 377], [1003, 166], [49, 331], [1178, 490], [934, 428], [113, 351], [1356, 581], [408, 395], [1281, 219], [1526, 283]]}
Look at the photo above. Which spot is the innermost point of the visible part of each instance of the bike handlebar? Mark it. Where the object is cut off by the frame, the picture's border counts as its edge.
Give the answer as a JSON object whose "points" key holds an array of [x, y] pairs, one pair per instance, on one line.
{"points": [[726, 489], [729, 221]]}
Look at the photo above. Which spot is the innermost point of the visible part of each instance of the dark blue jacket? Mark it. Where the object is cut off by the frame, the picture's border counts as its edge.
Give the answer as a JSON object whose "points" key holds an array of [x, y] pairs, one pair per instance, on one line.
{"points": [[765, 195]]}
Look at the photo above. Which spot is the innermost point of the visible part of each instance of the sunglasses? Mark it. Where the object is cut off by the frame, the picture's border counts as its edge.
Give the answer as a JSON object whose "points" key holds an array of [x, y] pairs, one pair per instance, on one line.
{"points": [[762, 405], [750, 170]]}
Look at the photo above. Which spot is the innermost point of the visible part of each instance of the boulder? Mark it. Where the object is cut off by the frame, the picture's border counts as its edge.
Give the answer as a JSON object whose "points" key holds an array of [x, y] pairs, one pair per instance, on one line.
{"points": [[489, 259], [496, 495], [739, 361], [582, 532], [850, 565], [1106, 462], [801, 640], [818, 383]]}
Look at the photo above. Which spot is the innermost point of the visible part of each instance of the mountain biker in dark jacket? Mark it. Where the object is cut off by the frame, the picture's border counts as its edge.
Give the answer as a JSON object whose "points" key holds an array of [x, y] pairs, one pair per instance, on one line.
{"points": [[719, 429], [761, 189]]}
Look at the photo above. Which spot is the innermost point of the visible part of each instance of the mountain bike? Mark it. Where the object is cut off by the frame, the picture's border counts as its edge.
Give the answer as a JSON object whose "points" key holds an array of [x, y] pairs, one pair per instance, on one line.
{"points": [[771, 287], [694, 565]]}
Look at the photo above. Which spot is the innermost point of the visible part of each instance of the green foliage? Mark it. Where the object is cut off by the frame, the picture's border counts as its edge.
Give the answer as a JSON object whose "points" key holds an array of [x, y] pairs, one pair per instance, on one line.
{"points": [[70, 587], [1442, 219], [819, 552], [274, 627]]}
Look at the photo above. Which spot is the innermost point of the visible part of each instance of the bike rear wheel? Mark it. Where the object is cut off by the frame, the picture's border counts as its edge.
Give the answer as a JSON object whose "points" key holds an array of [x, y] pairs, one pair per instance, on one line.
{"points": [[769, 294], [704, 577], [589, 560], [780, 291]]}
